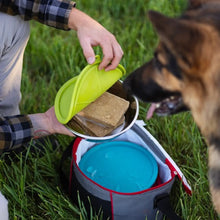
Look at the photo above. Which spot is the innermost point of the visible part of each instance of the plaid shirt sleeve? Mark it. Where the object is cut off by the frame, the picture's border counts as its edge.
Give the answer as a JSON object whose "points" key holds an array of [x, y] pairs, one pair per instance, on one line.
{"points": [[54, 13], [14, 131]]}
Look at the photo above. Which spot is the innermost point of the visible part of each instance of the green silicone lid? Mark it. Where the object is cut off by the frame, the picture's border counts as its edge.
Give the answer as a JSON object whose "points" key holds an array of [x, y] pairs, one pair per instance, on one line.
{"points": [[83, 89]]}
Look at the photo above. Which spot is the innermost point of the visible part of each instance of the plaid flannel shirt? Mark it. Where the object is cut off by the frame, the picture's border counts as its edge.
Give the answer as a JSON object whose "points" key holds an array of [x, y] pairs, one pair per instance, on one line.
{"points": [[54, 13], [17, 130], [14, 131]]}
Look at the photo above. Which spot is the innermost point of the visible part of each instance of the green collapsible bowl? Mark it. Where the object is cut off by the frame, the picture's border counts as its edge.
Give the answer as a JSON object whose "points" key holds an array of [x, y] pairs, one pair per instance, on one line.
{"points": [[131, 116], [83, 89]]}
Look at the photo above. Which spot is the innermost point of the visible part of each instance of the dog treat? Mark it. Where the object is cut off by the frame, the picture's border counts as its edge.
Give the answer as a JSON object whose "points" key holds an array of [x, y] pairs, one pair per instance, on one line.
{"points": [[101, 117], [95, 129], [107, 110]]}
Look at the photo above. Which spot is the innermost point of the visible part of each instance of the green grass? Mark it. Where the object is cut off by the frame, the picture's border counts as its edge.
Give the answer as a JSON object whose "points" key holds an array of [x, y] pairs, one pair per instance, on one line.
{"points": [[31, 183]]}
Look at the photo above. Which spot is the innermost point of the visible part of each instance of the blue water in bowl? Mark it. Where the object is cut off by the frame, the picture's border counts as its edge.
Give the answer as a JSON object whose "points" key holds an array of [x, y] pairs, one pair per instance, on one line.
{"points": [[120, 166]]}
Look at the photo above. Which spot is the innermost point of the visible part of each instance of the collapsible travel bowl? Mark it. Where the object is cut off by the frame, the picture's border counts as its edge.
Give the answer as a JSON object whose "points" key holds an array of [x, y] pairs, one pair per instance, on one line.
{"points": [[85, 88], [120, 166]]}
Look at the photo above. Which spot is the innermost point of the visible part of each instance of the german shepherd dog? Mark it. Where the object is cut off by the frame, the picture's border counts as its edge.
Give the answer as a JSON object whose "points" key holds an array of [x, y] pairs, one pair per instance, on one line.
{"points": [[185, 74]]}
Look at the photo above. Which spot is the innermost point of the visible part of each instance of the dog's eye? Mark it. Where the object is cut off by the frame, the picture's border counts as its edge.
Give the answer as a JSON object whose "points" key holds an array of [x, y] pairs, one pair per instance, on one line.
{"points": [[157, 63]]}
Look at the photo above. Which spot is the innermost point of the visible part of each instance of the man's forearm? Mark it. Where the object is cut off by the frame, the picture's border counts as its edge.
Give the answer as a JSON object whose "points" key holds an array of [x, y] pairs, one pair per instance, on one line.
{"points": [[40, 125], [20, 129], [52, 13], [46, 123]]}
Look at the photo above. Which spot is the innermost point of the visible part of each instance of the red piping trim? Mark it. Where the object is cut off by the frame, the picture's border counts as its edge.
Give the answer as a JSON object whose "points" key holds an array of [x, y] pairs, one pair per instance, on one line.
{"points": [[188, 191], [75, 145], [70, 176], [120, 193], [112, 208]]}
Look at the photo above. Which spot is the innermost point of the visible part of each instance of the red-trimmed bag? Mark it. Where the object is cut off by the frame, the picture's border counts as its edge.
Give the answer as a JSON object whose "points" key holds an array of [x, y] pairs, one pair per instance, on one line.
{"points": [[150, 204]]}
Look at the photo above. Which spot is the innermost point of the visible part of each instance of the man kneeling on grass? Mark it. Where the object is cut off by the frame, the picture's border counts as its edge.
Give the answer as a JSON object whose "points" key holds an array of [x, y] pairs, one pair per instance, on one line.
{"points": [[16, 129]]}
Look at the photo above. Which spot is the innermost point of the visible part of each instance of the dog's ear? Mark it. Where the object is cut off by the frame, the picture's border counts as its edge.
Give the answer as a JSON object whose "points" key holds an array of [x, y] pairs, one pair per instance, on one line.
{"points": [[174, 30], [179, 35], [193, 4]]}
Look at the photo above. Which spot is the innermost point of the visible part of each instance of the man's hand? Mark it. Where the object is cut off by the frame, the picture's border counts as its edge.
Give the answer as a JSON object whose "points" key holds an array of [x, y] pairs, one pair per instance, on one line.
{"points": [[90, 34], [46, 123]]}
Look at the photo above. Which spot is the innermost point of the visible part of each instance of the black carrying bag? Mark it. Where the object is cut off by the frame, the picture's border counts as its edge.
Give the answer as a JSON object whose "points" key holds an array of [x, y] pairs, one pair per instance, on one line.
{"points": [[150, 204]]}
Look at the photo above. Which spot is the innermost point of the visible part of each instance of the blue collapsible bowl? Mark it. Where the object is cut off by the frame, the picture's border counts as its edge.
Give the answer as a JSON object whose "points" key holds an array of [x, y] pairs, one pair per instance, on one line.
{"points": [[120, 166]]}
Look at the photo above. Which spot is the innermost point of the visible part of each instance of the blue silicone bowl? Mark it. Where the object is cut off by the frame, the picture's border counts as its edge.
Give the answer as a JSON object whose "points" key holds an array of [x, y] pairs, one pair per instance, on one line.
{"points": [[120, 166]]}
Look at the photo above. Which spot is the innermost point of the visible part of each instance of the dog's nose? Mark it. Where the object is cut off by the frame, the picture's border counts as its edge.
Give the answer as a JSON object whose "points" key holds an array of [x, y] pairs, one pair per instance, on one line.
{"points": [[127, 84]]}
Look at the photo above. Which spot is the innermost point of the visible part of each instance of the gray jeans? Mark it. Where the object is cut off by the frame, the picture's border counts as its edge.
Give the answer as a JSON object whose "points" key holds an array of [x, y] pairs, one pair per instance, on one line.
{"points": [[14, 34], [3, 208]]}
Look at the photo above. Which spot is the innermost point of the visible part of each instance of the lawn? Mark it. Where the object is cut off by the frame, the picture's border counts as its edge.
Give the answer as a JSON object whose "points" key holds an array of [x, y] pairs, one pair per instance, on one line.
{"points": [[31, 183]]}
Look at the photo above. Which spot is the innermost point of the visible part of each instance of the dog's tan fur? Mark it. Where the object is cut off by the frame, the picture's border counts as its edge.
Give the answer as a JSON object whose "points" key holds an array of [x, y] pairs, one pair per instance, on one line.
{"points": [[187, 62]]}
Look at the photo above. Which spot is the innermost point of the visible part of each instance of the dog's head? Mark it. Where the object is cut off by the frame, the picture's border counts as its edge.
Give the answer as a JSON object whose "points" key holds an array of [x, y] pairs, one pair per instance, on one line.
{"points": [[185, 70]]}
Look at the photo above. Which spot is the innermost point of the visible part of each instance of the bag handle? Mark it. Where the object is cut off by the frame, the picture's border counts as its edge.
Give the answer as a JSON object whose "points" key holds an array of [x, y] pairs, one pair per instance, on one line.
{"points": [[162, 202]]}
